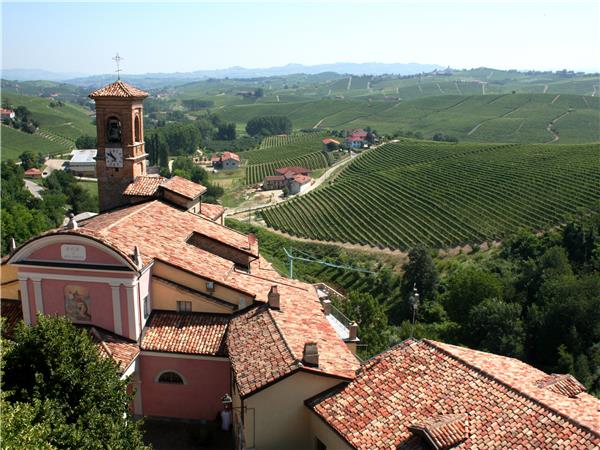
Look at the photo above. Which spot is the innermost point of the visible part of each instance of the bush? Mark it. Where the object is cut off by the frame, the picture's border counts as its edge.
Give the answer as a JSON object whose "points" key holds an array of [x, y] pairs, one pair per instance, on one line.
{"points": [[269, 125]]}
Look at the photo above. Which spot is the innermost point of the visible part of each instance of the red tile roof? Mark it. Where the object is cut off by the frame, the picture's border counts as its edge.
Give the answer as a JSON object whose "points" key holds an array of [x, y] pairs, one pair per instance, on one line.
{"points": [[211, 211], [229, 155], [12, 313], [33, 171], [328, 140], [184, 187], [417, 381], [295, 170], [122, 350], [274, 178], [144, 186], [118, 89], [192, 333], [443, 431], [301, 179]]}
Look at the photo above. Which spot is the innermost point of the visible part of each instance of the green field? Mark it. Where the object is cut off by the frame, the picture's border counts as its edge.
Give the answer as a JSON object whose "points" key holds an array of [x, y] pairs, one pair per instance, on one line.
{"points": [[444, 195], [60, 126]]}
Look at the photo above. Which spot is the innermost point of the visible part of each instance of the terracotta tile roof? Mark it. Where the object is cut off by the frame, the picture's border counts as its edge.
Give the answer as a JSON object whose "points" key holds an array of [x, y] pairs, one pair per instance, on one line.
{"points": [[443, 431], [122, 350], [12, 313], [33, 171], [118, 89], [229, 155], [299, 320], [301, 179], [274, 178], [417, 381], [328, 140], [193, 333], [184, 187], [564, 384], [295, 170], [257, 350], [211, 211], [144, 186]]}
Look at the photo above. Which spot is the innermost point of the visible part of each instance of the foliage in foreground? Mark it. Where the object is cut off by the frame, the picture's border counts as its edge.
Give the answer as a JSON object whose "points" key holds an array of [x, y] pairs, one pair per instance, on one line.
{"points": [[59, 392]]}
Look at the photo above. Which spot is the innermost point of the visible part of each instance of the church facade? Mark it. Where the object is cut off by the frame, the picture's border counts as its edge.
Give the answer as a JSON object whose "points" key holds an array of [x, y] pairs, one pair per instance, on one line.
{"points": [[199, 322]]}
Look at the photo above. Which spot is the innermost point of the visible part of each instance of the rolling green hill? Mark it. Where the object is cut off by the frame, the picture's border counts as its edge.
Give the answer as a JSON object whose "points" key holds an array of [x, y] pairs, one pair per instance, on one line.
{"points": [[59, 126], [444, 195]]}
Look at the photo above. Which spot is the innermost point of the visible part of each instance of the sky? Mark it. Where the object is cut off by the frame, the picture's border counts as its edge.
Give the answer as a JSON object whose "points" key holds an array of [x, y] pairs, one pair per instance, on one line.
{"points": [[182, 37]]}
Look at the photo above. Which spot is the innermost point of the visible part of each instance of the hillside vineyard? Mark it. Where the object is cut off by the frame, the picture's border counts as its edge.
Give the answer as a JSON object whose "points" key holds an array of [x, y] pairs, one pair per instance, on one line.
{"points": [[444, 195]]}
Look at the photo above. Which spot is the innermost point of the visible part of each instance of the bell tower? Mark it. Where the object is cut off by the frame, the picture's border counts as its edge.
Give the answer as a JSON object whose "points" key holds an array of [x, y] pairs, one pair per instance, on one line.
{"points": [[120, 131]]}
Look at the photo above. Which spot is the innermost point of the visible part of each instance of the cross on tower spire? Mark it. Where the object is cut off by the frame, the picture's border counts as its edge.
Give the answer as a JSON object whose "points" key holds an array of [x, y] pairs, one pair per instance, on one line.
{"points": [[118, 59]]}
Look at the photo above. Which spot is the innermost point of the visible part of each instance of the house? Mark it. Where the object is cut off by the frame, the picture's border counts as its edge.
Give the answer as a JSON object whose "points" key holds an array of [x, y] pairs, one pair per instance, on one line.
{"points": [[430, 395], [299, 184], [228, 160], [357, 139], [83, 162], [272, 182], [33, 173], [295, 178], [6, 114], [327, 142]]}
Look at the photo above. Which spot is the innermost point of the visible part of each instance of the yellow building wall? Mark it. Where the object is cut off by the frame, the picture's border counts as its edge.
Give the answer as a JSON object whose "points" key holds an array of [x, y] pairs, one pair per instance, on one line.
{"points": [[9, 288], [199, 284], [320, 430], [281, 420], [165, 297]]}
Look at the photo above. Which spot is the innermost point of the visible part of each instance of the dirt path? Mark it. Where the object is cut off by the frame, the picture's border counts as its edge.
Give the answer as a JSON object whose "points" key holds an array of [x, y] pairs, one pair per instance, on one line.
{"points": [[594, 92], [474, 129], [554, 99], [457, 88], [420, 88], [483, 88], [318, 124], [349, 83], [550, 128], [519, 129], [585, 101], [440, 88], [545, 89], [277, 97], [329, 93]]}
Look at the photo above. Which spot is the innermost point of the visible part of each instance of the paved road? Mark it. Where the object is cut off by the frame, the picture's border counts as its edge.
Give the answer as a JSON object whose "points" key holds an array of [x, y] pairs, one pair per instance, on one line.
{"points": [[35, 189]]}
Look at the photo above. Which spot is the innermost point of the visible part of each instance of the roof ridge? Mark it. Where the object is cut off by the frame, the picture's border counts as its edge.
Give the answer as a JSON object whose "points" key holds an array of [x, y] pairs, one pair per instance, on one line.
{"points": [[285, 342], [433, 344]]}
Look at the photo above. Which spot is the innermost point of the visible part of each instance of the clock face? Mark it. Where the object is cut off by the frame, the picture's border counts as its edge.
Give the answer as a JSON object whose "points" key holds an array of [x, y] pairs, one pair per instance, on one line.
{"points": [[114, 157]]}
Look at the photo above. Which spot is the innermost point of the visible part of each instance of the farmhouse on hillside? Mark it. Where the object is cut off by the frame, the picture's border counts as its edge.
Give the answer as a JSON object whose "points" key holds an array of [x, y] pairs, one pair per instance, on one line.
{"points": [[202, 326], [357, 139], [228, 160], [33, 173], [328, 143], [6, 114], [295, 178]]}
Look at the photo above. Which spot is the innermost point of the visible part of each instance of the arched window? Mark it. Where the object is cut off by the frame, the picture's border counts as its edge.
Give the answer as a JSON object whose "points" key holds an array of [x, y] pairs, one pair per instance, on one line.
{"points": [[136, 126], [170, 378], [113, 130]]}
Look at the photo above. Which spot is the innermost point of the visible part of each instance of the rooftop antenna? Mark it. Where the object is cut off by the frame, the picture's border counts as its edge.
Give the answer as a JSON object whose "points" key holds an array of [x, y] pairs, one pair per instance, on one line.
{"points": [[414, 303], [118, 59]]}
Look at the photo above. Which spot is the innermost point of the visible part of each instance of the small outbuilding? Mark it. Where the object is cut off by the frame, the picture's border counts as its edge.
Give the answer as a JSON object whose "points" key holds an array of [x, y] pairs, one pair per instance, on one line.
{"points": [[33, 173], [83, 162]]}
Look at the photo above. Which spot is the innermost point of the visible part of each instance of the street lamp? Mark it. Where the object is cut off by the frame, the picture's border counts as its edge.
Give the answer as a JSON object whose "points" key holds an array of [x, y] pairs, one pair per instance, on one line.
{"points": [[226, 413], [414, 303]]}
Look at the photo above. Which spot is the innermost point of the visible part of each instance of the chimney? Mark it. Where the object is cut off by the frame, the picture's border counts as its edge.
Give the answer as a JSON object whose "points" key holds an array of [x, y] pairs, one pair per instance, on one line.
{"points": [[12, 245], [137, 257], [273, 297], [251, 240], [326, 307], [310, 355], [72, 223], [353, 331]]}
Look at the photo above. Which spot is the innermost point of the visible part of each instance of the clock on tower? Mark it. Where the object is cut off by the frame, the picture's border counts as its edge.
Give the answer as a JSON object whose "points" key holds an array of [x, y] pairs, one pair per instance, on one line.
{"points": [[121, 155]]}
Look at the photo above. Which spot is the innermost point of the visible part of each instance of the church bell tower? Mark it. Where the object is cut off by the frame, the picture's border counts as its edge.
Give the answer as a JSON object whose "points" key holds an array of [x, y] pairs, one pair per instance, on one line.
{"points": [[121, 155]]}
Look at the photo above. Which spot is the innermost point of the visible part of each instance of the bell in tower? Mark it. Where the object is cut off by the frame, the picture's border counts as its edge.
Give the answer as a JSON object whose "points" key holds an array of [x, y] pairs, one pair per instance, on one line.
{"points": [[121, 156]]}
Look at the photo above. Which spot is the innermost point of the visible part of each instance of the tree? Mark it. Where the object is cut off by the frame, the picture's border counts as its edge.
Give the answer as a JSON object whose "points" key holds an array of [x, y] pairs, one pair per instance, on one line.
{"points": [[86, 141], [259, 92], [420, 270], [226, 131], [269, 125], [496, 326], [75, 395], [467, 288], [30, 159]]}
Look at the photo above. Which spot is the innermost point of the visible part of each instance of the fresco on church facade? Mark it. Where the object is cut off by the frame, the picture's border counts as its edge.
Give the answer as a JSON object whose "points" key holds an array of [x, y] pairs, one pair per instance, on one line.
{"points": [[78, 303]]}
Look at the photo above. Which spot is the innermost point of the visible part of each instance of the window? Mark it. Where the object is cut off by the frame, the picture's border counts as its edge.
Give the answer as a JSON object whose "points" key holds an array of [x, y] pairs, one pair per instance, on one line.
{"points": [[113, 130], [170, 378], [183, 306], [319, 445], [136, 126], [146, 307]]}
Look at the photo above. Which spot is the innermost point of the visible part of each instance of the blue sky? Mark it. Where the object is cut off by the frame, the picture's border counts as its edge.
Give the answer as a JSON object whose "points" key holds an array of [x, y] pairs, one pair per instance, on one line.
{"points": [[159, 37]]}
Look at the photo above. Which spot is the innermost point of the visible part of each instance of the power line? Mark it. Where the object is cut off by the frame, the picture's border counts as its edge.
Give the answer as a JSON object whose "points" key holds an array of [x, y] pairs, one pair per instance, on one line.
{"points": [[312, 259]]}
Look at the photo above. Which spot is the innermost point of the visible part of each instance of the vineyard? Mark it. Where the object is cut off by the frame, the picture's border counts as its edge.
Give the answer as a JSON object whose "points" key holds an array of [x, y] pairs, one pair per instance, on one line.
{"points": [[298, 149], [444, 195], [255, 173]]}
